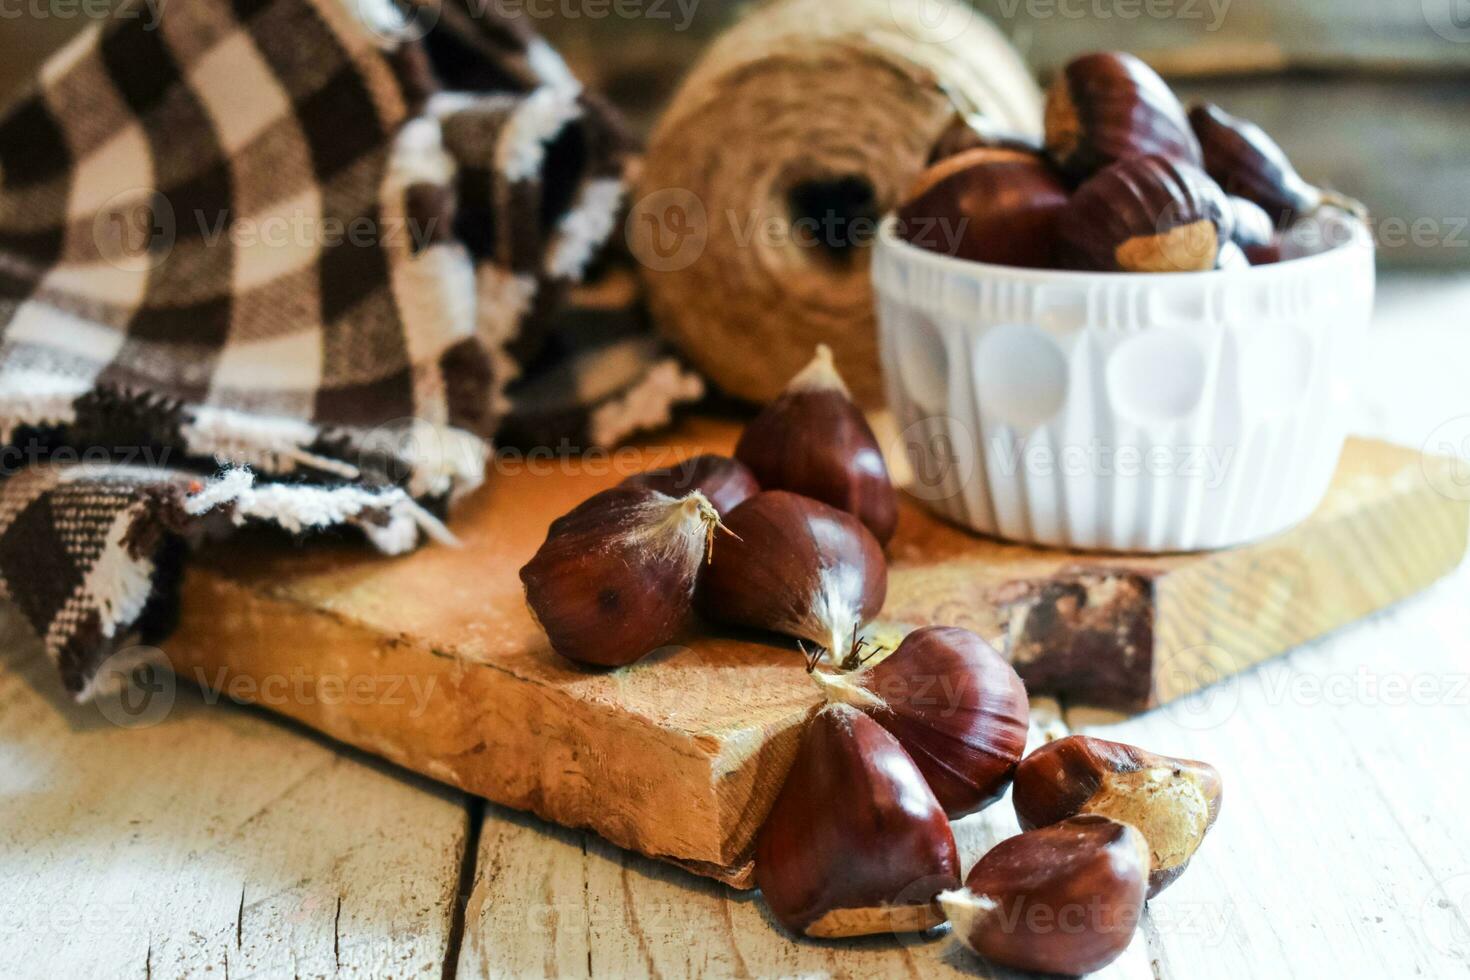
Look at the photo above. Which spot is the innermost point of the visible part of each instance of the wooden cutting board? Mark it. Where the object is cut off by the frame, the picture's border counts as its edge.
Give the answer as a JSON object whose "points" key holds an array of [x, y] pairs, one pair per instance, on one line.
{"points": [[433, 662]]}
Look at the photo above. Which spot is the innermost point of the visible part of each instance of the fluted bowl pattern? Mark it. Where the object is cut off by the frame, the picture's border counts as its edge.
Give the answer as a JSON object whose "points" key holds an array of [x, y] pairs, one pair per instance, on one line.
{"points": [[1119, 411]]}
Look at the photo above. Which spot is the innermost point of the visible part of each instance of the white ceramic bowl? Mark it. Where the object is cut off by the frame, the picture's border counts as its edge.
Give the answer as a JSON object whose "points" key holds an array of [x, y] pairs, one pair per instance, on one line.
{"points": [[1124, 411]]}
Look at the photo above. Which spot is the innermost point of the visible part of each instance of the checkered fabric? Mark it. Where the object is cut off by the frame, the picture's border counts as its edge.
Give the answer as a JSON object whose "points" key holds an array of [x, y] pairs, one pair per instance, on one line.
{"points": [[286, 261]]}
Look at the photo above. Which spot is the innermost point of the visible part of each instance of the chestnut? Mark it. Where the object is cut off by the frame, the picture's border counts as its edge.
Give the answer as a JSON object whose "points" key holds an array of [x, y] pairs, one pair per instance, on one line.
{"points": [[1063, 899], [725, 482], [855, 843], [1268, 254], [969, 132], [614, 579], [815, 441], [986, 205], [1110, 106], [1173, 802], [1145, 214], [955, 705], [797, 566], [1247, 162], [1251, 226]]}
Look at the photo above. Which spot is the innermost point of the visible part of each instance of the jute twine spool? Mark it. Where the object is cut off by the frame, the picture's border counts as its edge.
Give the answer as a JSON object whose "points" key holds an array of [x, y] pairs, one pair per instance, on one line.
{"points": [[804, 111]]}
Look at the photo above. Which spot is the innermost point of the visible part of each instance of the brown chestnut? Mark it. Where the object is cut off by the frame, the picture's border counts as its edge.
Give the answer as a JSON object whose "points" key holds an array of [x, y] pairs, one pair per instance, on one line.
{"points": [[1268, 254], [725, 482], [1110, 106], [1145, 214], [970, 132], [986, 205], [1251, 226], [855, 843], [1063, 899], [614, 579], [815, 441], [1247, 162], [1174, 802], [797, 566], [955, 705]]}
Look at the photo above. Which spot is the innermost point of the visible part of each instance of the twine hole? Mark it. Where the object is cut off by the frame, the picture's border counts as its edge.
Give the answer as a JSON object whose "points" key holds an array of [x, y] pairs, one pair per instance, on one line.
{"points": [[832, 219]]}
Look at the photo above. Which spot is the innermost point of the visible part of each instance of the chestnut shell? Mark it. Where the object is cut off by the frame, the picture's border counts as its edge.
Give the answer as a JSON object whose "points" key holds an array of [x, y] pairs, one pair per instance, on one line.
{"points": [[958, 709], [1251, 225], [726, 483], [1067, 898], [815, 441], [605, 594], [996, 205], [1247, 162], [975, 132], [1109, 106], [1145, 214], [855, 828], [1068, 777], [797, 566]]}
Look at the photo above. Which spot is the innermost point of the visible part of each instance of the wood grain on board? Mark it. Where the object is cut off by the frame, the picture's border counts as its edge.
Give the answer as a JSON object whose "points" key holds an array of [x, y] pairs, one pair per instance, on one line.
{"points": [[433, 662]]}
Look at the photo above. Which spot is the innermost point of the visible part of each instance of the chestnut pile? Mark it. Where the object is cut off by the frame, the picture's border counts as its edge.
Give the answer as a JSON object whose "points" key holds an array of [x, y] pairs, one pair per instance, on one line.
{"points": [[801, 515], [788, 537], [1126, 181]]}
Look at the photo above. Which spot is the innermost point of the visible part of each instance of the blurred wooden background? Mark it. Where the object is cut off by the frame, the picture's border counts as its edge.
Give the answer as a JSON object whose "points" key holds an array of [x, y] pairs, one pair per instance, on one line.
{"points": [[1370, 96]]}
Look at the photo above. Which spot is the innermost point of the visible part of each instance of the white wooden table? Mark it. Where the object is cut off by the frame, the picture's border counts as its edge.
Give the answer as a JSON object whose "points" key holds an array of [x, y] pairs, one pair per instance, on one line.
{"points": [[219, 841]]}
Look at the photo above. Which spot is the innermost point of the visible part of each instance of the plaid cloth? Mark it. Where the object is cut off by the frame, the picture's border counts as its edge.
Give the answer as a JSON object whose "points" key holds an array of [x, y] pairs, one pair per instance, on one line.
{"points": [[286, 261]]}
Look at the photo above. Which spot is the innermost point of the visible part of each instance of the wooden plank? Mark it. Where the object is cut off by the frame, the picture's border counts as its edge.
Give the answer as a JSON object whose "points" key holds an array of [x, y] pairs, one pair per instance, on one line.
{"points": [[1336, 853], [679, 756], [1339, 851], [208, 840], [550, 902]]}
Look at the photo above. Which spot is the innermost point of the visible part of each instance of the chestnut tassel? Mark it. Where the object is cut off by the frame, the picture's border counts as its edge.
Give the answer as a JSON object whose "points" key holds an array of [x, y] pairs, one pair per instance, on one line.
{"points": [[615, 578], [1174, 802], [1064, 899], [813, 440], [725, 482], [855, 843], [1109, 106], [1246, 161], [954, 704], [796, 566]]}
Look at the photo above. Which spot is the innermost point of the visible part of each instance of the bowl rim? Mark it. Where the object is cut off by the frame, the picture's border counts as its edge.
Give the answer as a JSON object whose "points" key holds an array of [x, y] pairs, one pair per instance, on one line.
{"points": [[1359, 239]]}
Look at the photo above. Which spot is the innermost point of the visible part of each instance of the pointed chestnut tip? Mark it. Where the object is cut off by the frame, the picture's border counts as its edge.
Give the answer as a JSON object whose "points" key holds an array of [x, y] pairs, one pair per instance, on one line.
{"points": [[696, 506], [844, 689], [963, 909], [820, 374]]}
